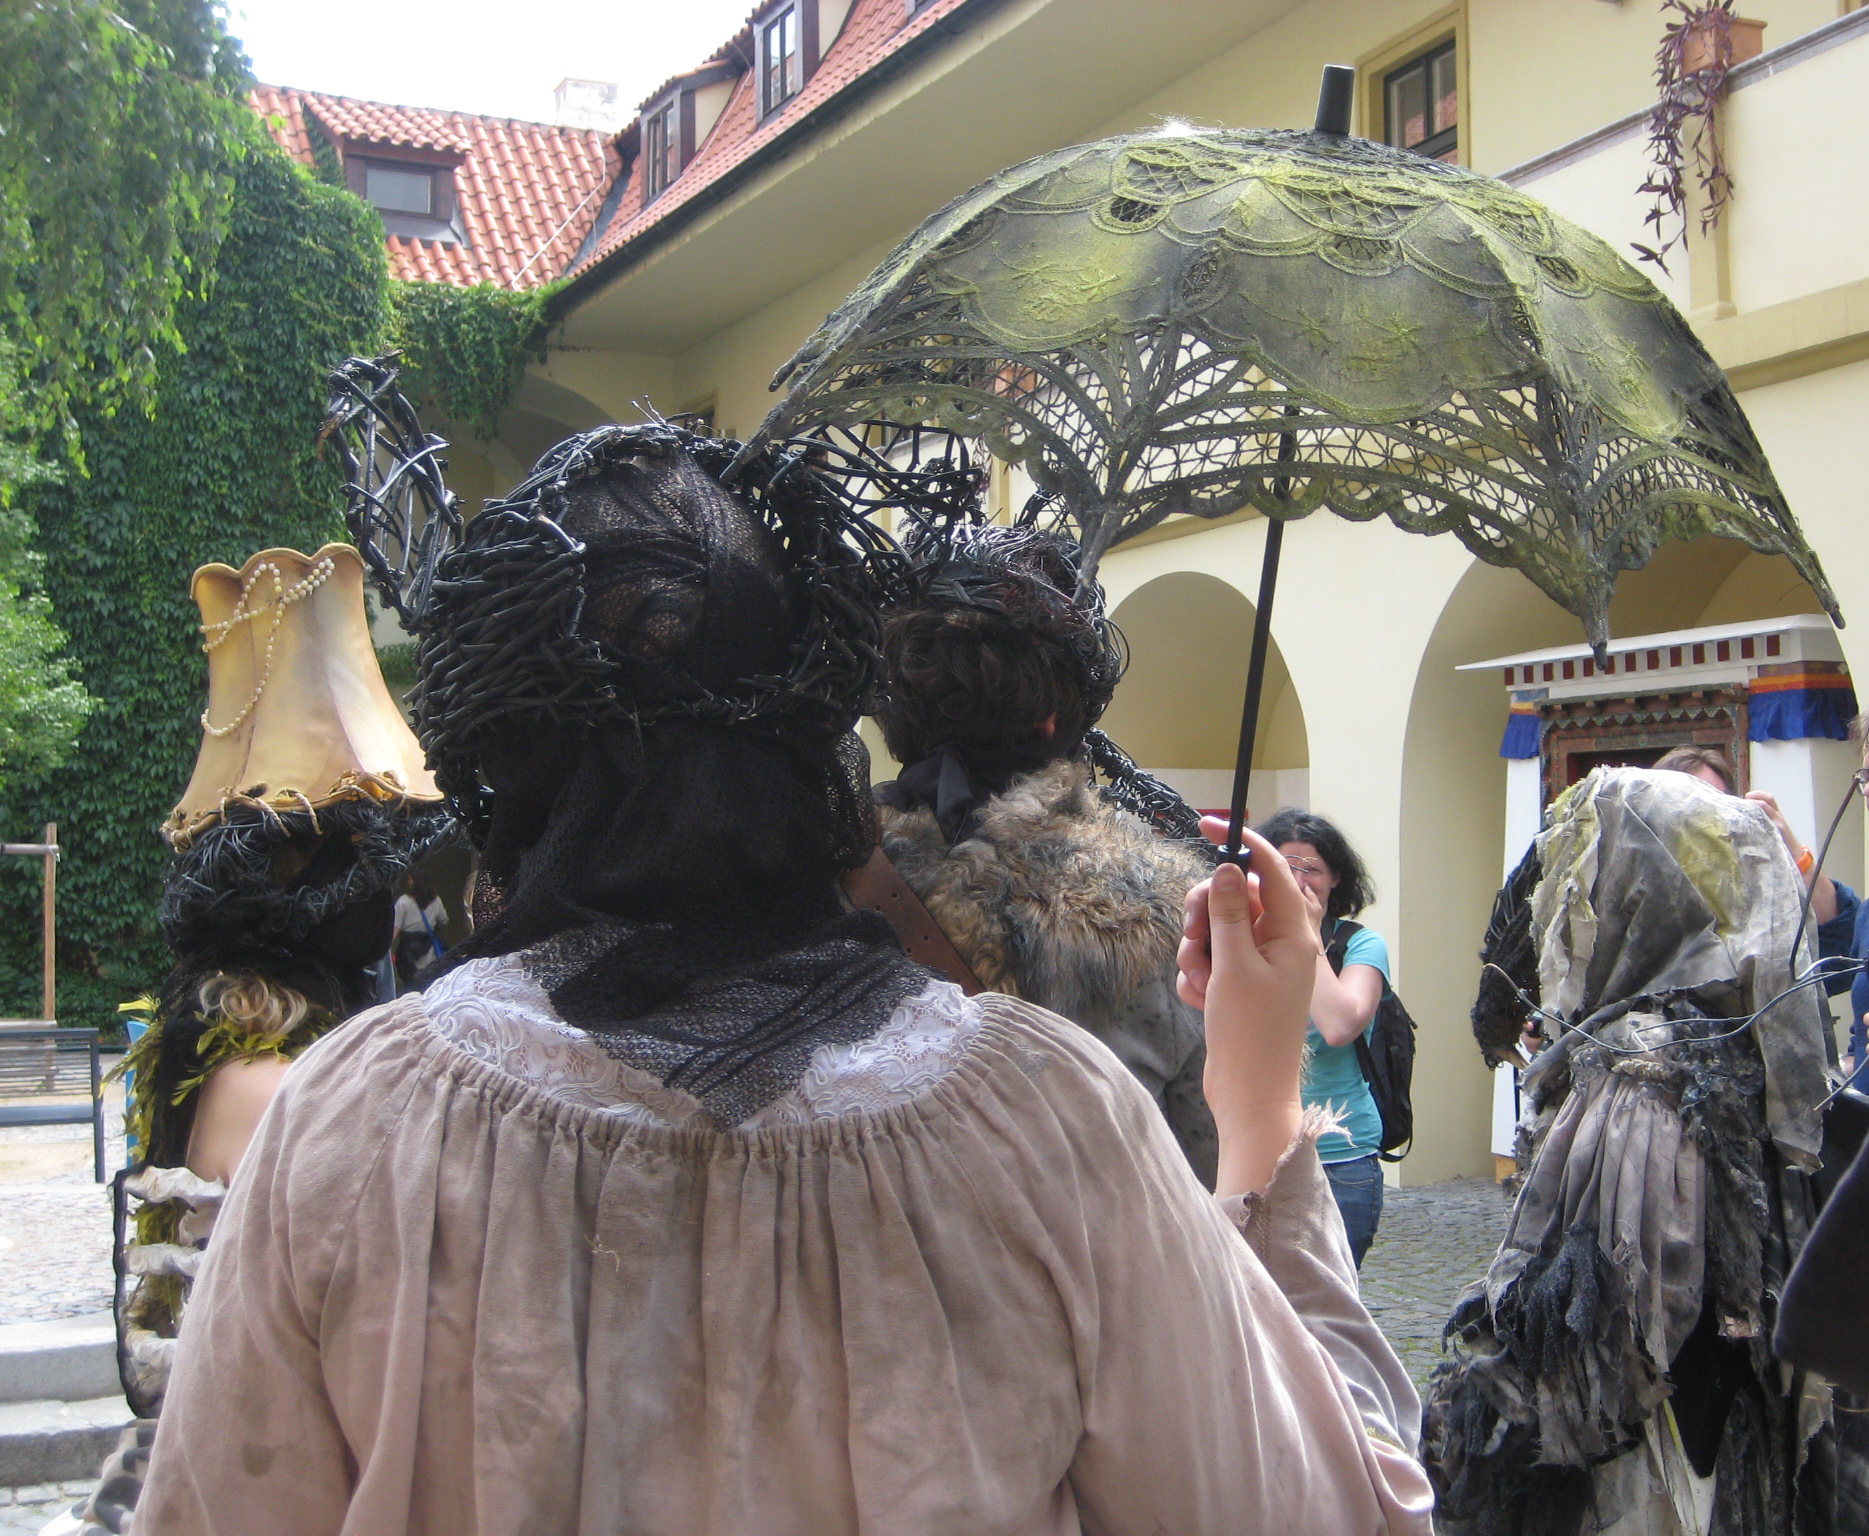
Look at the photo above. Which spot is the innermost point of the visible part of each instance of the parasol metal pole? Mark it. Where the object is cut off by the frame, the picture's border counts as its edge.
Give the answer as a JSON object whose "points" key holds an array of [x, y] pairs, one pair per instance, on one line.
{"points": [[1335, 98], [1255, 686], [1231, 852]]}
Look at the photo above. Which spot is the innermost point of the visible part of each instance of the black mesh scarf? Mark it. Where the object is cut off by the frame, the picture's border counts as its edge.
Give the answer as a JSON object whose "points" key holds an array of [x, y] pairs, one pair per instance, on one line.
{"points": [[663, 857]]}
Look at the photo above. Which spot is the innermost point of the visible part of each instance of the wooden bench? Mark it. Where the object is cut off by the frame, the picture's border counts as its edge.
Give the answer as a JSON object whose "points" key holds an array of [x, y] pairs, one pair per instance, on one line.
{"points": [[41, 1063]]}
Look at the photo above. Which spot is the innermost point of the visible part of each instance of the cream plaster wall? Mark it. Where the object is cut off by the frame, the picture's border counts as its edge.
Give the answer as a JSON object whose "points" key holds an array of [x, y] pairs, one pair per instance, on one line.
{"points": [[1544, 72], [613, 381], [1538, 73], [1396, 746], [1402, 751], [734, 367], [1812, 428], [1800, 215], [1597, 191], [1189, 635]]}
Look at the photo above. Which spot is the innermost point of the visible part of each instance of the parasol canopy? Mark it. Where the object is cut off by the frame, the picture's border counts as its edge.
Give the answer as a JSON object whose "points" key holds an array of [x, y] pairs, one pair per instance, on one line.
{"points": [[1201, 320]]}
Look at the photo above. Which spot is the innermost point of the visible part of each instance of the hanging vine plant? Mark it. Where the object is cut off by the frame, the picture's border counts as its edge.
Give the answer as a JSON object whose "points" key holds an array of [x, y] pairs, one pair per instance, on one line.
{"points": [[465, 350], [1684, 130]]}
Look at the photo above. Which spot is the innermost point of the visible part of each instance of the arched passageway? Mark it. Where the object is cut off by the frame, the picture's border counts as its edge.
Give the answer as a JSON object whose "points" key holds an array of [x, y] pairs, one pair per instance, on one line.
{"points": [[1177, 710]]}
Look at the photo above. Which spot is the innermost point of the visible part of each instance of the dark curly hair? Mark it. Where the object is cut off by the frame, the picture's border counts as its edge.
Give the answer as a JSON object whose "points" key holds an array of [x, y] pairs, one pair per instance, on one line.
{"points": [[1005, 637], [1355, 890], [977, 680]]}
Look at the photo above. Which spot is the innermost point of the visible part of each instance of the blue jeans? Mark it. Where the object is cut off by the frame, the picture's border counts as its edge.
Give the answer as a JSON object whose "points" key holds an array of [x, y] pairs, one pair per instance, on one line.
{"points": [[1357, 1185]]}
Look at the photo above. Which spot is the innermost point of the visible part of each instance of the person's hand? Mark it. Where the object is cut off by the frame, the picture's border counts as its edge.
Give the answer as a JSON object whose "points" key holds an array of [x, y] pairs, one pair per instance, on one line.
{"points": [[1249, 933], [1314, 911], [1195, 957], [1765, 798], [1248, 958]]}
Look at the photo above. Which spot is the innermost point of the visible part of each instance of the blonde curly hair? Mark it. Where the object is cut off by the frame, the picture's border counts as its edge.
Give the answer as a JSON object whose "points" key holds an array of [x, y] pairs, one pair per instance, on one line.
{"points": [[259, 1006]]}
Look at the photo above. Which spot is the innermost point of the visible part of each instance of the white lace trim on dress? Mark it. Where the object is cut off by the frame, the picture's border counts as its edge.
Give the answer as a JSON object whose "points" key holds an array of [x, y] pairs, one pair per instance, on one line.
{"points": [[495, 1012]]}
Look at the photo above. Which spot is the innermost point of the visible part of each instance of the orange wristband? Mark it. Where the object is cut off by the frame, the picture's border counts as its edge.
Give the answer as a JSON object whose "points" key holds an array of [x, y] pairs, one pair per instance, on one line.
{"points": [[1807, 861]]}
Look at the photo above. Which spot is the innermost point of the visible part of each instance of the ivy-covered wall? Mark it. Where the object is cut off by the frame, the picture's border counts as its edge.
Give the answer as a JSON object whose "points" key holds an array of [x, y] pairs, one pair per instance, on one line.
{"points": [[222, 465], [465, 349]]}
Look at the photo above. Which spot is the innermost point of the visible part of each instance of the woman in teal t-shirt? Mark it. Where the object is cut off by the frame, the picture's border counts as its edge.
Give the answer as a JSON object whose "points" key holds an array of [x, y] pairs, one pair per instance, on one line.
{"points": [[1343, 1006]]}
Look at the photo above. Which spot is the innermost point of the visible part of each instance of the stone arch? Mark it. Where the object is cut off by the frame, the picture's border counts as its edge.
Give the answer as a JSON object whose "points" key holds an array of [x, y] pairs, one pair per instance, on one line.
{"points": [[1177, 710]]}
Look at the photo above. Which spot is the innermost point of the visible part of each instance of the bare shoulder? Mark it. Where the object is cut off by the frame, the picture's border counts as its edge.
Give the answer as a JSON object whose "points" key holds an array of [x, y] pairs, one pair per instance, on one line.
{"points": [[228, 1110]]}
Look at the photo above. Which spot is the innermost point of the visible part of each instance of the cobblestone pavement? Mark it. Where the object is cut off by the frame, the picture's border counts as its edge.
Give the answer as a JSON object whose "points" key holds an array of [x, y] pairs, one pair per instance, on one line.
{"points": [[25, 1511], [1434, 1240], [55, 1220]]}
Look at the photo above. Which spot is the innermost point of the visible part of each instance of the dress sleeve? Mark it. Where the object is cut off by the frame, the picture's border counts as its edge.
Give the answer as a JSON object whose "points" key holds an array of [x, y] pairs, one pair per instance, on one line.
{"points": [[1239, 1379], [1294, 1228]]}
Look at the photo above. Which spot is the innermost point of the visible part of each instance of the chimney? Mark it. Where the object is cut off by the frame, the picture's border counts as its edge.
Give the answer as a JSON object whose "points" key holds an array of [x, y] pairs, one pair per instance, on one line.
{"points": [[588, 104]]}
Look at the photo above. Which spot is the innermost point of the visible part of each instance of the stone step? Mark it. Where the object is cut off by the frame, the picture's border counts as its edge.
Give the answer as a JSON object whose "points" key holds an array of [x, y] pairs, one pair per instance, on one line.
{"points": [[72, 1360], [56, 1442]]}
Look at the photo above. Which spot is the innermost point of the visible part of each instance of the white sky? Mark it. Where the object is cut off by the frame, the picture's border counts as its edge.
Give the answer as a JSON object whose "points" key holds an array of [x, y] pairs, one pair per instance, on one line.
{"points": [[498, 57]]}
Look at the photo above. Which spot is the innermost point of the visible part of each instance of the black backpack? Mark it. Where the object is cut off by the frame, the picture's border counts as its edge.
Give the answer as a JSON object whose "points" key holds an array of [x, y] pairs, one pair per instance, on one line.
{"points": [[1386, 1053]]}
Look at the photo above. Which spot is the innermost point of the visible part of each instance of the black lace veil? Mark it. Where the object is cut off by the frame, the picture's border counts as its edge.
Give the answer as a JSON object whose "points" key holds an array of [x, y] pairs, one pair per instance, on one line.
{"points": [[641, 684]]}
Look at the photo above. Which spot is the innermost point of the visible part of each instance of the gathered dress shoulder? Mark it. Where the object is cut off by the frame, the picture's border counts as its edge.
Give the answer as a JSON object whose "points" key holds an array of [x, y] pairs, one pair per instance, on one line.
{"points": [[478, 1277]]}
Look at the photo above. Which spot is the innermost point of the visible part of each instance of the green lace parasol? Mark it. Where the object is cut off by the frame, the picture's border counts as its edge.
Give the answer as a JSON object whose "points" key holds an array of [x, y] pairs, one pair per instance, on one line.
{"points": [[1201, 320]]}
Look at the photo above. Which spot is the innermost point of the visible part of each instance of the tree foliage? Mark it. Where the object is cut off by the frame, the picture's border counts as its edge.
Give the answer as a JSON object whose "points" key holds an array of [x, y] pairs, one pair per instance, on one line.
{"points": [[42, 704], [222, 465], [159, 252], [119, 123]]}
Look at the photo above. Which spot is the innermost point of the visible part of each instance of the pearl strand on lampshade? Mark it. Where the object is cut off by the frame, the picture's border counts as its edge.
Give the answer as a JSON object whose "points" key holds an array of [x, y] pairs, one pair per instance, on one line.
{"points": [[221, 630]]}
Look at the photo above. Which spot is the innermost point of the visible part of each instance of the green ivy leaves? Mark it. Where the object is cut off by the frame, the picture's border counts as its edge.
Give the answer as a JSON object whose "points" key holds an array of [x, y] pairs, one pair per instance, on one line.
{"points": [[222, 464], [466, 349]]}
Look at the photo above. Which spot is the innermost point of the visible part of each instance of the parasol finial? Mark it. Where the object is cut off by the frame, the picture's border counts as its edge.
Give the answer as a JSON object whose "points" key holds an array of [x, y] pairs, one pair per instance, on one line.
{"points": [[1334, 98]]}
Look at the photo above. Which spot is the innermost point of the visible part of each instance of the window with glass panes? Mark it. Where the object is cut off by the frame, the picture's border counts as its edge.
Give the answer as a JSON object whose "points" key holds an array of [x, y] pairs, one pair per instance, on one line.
{"points": [[1421, 105], [661, 149], [780, 74], [399, 189]]}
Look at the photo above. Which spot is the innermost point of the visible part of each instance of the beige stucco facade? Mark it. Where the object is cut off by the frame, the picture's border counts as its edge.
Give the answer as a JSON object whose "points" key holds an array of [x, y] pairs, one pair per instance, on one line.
{"points": [[1368, 720]]}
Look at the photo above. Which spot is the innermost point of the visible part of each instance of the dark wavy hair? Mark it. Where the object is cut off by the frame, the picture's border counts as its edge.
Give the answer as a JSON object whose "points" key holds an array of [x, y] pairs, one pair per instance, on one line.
{"points": [[1355, 890], [981, 682]]}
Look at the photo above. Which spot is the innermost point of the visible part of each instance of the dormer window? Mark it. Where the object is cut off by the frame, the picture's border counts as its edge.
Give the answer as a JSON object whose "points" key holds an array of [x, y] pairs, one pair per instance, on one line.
{"points": [[414, 197], [661, 149], [781, 59]]}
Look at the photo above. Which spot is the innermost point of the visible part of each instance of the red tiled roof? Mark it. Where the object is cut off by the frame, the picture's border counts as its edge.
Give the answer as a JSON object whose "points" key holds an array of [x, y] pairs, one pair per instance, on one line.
{"points": [[873, 30], [526, 194]]}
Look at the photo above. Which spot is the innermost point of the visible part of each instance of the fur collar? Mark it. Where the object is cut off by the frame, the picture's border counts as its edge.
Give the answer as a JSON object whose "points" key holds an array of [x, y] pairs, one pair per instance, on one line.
{"points": [[1056, 897]]}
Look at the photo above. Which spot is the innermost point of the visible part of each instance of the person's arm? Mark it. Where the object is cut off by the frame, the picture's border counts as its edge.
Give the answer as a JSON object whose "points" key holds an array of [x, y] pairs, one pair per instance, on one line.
{"points": [[1262, 1397], [1343, 1005], [1266, 1388]]}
